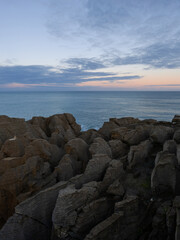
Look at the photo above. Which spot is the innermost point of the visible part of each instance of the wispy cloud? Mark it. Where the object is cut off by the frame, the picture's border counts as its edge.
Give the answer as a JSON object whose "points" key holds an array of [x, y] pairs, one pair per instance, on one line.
{"points": [[75, 72]]}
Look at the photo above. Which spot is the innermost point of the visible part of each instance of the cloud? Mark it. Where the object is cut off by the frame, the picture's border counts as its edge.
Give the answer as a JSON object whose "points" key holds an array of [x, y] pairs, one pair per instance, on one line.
{"points": [[159, 55], [75, 71]]}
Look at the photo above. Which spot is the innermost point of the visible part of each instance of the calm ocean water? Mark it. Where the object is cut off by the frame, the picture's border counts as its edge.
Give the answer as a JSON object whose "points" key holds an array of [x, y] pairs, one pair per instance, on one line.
{"points": [[91, 109]]}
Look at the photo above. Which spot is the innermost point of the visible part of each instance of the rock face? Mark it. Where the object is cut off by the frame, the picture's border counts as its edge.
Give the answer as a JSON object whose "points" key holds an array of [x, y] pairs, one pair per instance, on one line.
{"points": [[120, 182]]}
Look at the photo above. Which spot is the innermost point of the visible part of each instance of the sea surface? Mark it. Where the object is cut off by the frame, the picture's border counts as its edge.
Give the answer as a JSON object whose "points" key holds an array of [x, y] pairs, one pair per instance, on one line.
{"points": [[91, 109]]}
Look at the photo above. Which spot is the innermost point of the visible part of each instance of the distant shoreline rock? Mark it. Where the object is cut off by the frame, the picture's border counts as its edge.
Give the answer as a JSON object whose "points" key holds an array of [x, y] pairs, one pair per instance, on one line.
{"points": [[60, 183]]}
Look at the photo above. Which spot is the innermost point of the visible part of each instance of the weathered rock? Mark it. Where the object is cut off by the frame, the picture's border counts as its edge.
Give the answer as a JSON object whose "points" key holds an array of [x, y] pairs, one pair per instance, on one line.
{"points": [[118, 148], [114, 171], [177, 207], [24, 228], [116, 188], [176, 136], [131, 136], [45, 150], [176, 119], [100, 146], [32, 218], [123, 223], [13, 148], [95, 169], [68, 202], [170, 146], [89, 135], [126, 121], [107, 129], [163, 178], [92, 214], [64, 125], [107, 229], [10, 162], [160, 134], [78, 149], [138, 154], [67, 168]]}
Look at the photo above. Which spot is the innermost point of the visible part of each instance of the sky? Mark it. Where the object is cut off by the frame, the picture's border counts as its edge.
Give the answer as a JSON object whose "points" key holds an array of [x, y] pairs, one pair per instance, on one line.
{"points": [[90, 45]]}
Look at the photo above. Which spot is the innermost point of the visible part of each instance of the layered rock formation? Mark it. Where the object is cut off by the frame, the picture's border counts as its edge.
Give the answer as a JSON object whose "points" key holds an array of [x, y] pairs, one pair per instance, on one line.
{"points": [[121, 182]]}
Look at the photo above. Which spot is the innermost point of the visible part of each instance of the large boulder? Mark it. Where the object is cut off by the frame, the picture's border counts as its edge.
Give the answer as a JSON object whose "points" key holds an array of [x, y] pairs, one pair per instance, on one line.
{"points": [[131, 136], [42, 148], [163, 178], [69, 202], [176, 136], [18, 183], [100, 146], [118, 148], [32, 218], [159, 134], [89, 135], [67, 168], [170, 146], [138, 154], [78, 149]]}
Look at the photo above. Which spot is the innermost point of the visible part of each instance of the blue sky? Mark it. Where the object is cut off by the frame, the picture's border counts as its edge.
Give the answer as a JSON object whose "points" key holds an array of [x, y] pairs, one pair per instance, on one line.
{"points": [[90, 45]]}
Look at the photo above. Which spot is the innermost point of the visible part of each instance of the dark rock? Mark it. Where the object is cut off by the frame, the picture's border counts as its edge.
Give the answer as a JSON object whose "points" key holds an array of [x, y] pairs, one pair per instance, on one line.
{"points": [[118, 148], [100, 146]]}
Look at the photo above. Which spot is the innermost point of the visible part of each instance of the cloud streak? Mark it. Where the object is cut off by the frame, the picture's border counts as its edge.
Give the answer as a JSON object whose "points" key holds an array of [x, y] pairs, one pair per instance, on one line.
{"points": [[75, 72]]}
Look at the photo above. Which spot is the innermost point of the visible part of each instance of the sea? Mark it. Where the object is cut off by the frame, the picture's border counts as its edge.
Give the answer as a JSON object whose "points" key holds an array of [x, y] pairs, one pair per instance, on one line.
{"points": [[91, 109]]}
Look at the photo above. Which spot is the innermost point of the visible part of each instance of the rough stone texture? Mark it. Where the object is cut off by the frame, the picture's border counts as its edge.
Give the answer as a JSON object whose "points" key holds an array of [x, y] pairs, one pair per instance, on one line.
{"points": [[118, 148], [176, 136], [138, 154], [100, 146], [170, 146], [57, 183], [68, 202], [78, 149], [160, 134], [163, 179]]}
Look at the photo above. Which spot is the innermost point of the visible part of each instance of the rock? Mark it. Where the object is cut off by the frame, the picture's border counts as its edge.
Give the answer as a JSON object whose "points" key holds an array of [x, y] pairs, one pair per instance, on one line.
{"points": [[115, 171], [107, 129], [119, 133], [163, 178], [177, 206], [100, 146], [89, 136], [176, 119], [95, 169], [116, 188], [92, 214], [10, 162], [126, 121], [107, 229], [45, 150], [136, 136], [67, 168], [131, 136], [32, 176], [68, 202], [120, 224], [170, 146], [64, 125], [32, 218], [78, 149], [24, 228], [160, 134], [13, 148], [176, 136], [138, 154], [118, 148]]}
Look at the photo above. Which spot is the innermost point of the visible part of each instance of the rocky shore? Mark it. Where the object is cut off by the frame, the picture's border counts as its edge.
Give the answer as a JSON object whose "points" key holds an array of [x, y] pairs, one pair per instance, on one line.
{"points": [[121, 182]]}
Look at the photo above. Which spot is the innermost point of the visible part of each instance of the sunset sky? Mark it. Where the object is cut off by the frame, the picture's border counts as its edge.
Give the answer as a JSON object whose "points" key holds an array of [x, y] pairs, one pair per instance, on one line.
{"points": [[90, 45]]}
